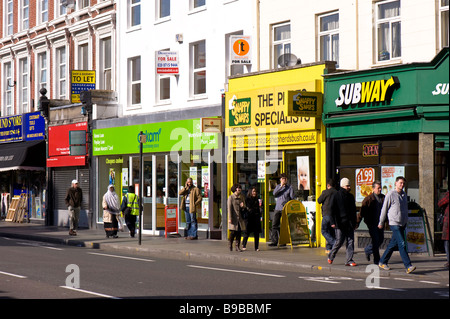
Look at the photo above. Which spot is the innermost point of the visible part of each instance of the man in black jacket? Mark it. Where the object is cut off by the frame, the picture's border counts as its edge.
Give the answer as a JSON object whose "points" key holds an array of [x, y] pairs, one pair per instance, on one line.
{"points": [[326, 199], [344, 222]]}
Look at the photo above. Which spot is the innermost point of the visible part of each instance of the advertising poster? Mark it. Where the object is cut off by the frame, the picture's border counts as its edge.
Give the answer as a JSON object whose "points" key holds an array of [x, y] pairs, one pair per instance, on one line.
{"points": [[388, 176], [294, 227], [415, 233], [364, 180], [205, 208], [303, 172], [193, 175]]}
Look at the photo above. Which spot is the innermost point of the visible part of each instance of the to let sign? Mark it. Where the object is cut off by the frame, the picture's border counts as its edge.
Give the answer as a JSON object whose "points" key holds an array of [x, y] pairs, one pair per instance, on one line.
{"points": [[81, 81], [167, 62]]}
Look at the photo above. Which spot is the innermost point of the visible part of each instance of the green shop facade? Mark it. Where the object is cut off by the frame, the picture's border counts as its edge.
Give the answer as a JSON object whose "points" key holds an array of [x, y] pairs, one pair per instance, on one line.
{"points": [[391, 121], [172, 152]]}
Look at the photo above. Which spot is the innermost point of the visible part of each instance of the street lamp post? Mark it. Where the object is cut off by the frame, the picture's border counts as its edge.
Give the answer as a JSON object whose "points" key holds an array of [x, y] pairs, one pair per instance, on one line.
{"points": [[142, 140]]}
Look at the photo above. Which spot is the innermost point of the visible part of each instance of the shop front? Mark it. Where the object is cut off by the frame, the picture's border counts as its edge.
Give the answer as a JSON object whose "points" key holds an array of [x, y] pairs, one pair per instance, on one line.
{"points": [[172, 152], [67, 161], [22, 164], [386, 122], [265, 139]]}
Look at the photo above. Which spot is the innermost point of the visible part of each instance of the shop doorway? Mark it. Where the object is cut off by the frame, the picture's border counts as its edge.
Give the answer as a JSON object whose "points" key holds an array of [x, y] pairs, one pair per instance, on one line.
{"points": [[263, 169]]}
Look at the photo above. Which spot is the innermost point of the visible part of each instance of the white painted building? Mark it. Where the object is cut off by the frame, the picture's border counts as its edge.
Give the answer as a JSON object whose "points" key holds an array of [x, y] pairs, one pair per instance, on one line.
{"points": [[358, 34], [198, 31]]}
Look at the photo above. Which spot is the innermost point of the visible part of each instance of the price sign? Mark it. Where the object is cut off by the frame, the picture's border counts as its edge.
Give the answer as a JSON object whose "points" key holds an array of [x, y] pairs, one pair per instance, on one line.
{"points": [[364, 179]]}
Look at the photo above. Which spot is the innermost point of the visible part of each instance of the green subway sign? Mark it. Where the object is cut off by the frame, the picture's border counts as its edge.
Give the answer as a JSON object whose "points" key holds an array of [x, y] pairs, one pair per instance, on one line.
{"points": [[176, 136]]}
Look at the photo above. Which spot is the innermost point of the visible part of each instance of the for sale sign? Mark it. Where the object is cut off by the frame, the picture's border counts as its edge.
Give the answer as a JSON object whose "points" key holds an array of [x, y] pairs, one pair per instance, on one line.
{"points": [[167, 62]]}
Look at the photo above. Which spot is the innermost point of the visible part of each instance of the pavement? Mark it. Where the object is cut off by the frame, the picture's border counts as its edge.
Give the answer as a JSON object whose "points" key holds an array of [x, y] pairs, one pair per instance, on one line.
{"points": [[302, 259]]}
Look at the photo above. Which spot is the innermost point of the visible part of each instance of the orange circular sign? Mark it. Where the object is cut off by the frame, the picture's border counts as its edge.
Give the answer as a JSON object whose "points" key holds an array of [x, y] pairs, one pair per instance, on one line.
{"points": [[241, 47]]}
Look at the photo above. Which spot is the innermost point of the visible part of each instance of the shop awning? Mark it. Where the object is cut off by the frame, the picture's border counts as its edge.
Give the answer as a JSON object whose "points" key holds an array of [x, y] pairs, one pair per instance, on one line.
{"points": [[22, 156]]}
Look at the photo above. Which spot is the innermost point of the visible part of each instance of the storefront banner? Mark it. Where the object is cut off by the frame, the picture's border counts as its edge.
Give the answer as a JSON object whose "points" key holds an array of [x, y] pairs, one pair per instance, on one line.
{"points": [[364, 180], [59, 145], [11, 129], [175, 136], [388, 176], [274, 139], [249, 111]]}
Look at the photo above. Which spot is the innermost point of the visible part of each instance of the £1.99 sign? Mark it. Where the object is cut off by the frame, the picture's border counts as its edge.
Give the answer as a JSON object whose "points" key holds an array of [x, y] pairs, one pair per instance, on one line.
{"points": [[364, 180]]}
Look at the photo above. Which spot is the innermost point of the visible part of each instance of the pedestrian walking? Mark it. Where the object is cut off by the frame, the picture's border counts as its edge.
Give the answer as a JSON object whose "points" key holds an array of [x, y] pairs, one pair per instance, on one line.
{"points": [[283, 193], [191, 201], [130, 210], [111, 210], [326, 199], [253, 219], [235, 206], [344, 222], [395, 209], [370, 212], [443, 204], [73, 200]]}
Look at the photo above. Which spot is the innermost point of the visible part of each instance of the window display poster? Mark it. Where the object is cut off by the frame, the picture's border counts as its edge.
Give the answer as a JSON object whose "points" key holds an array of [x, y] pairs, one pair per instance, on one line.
{"points": [[364, 180], [388, 176], [261, 171], [205, 208], [193, 175], [303, 172]]}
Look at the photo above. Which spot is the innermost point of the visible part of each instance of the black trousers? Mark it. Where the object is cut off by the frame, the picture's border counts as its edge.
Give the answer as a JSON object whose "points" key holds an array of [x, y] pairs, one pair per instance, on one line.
{"points": [[130, 220], [276, 222]]}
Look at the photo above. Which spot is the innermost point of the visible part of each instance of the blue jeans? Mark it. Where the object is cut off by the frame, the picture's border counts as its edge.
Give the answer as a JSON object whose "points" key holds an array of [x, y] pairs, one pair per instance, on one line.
{"points": [[191, 223], [397, 240], [328, 232]]}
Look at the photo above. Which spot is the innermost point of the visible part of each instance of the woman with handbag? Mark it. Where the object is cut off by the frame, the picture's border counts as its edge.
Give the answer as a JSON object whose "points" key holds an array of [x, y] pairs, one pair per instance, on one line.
{"points": [[111, 210], [130, 210]]}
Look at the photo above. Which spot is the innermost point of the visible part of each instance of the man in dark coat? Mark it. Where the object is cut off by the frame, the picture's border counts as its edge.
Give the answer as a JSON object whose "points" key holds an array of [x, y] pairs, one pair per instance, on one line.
{"points": [[74, 198], [344, 222]]}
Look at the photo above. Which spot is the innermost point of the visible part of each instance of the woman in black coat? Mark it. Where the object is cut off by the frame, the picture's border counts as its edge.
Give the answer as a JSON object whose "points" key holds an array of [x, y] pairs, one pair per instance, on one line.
{"points": [[253, 218]]}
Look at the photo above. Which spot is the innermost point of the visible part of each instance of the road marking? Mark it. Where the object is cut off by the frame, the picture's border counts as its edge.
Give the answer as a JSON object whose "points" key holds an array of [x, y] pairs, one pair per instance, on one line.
{"points": [[326, 280], [38, 245], [238, 271], [12, 275], [430, 282], [122, 257], [404, 279], [90, 292], [386, 288]]}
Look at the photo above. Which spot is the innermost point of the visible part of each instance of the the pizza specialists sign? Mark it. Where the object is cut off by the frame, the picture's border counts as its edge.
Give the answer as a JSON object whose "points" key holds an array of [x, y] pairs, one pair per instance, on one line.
{"points": [[378, 91]]}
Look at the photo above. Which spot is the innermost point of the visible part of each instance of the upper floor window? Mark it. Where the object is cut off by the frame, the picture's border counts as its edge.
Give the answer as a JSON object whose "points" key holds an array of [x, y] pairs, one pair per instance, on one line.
{"points": [[83, 56], [444, 23], [329, 37], [105, 64], [134, 81], [281, 35], [134, 9], [9, 17], [388, 21], [198, 68], [24, 14], [41, 71], [61, 73], [23, 85], [163, 8], [7, 89], [61, 7], [197, 4], [42, 11], [83, 4]]}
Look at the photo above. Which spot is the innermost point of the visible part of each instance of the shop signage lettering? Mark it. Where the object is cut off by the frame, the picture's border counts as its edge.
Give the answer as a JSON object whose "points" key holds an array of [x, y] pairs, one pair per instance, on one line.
{"points": [[370, 150], [151, 136], [304, 104], [11, 129], [378, 91], [240, 111], [441, 88]]}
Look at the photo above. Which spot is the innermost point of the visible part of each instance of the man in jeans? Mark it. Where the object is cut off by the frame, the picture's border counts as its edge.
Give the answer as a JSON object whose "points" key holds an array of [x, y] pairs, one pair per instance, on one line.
{"points": [[326, 199], [74, 198], [283, 193], [395, 208]]}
